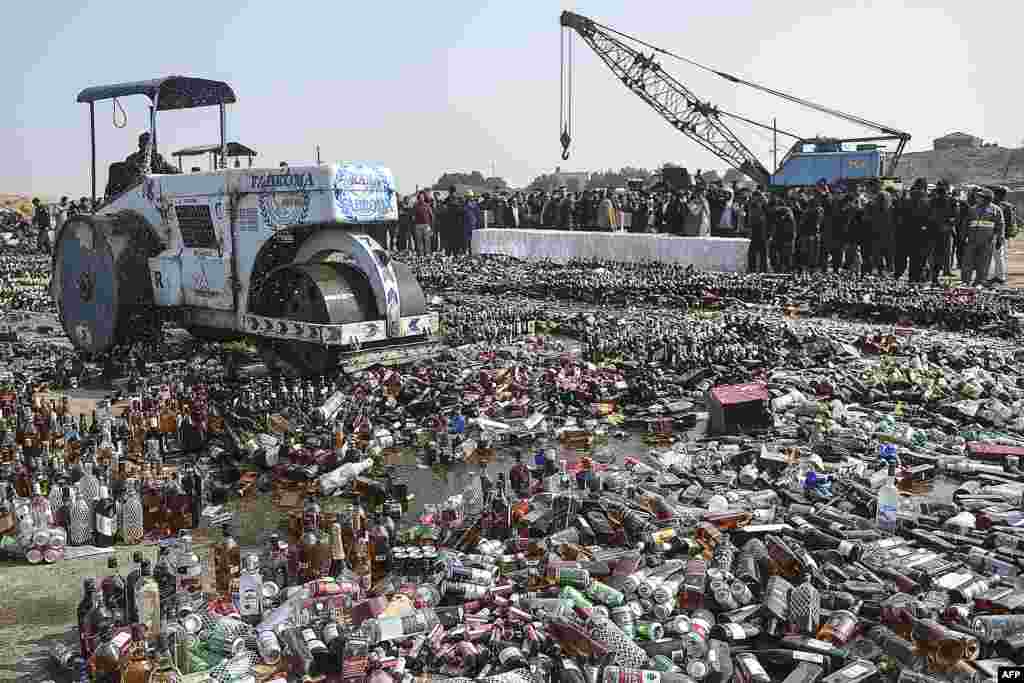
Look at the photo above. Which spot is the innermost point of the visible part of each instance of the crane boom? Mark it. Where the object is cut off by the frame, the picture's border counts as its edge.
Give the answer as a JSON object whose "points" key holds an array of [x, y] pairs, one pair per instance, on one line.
{"points": [[699, 121]]}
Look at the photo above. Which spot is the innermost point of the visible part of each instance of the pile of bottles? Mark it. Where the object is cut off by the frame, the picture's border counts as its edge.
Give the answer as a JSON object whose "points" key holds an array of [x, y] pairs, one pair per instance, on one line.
{"points": [[878, 300], [24, 280], [715, 560]]}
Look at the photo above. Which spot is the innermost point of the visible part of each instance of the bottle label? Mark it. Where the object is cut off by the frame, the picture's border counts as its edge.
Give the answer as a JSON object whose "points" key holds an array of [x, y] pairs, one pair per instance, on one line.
{"points": [[887, 516], [735, 631], [105, 525], [818, 644], [808, 657], [120, 640], [754, 668]]}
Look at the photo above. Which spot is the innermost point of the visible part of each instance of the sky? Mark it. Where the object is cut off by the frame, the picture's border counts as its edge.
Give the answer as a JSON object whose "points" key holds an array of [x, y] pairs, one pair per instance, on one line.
{"points": [[458, 86]]}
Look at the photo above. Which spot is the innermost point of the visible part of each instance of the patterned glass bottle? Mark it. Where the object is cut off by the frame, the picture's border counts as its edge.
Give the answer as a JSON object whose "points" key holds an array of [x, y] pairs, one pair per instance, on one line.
{"points": [[89, 485], [79, 519], [131, 514]]}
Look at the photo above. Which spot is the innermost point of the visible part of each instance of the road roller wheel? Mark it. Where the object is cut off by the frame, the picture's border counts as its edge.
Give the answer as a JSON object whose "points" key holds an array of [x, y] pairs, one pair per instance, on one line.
{"points": [[86, 289], [321, 293], [101, 282]]}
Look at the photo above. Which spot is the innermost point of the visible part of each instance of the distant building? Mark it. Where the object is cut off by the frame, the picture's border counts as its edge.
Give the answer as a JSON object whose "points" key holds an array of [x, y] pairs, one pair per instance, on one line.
{"points": [[956, 140], [579, 179]]}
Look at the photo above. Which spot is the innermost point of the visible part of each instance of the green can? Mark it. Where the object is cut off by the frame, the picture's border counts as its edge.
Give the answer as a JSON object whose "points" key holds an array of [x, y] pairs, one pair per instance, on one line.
{"points": [[605, 594], [649, 630], [573, 576], [576, 597]]}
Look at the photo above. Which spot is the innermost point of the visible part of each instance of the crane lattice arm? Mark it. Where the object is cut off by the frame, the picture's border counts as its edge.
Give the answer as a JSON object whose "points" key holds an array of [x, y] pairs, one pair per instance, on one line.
{"points": [[683, 110], [700, 121]]}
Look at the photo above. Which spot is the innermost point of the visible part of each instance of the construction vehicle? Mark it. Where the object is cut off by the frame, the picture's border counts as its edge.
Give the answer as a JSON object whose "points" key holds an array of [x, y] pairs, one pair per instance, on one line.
{"points": [[807, 161], [279, 255]]}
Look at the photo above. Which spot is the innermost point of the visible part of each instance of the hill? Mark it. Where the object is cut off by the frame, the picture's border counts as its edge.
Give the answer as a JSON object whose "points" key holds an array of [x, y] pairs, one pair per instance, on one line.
{"points": [[983, 165]]}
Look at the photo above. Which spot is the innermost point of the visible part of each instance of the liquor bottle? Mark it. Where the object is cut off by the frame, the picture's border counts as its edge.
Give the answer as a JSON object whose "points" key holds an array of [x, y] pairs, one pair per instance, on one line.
{"points": [[189, 568], [380, 549], [229, 560], [886, 516], [805, 608], [138, 667], [198, 496], [275, 564], [106, 660], [308, 557], [250, 591], [164, 670], [147, 602], [98, 618], [105, 517], [86, 604], [89, 486], [42, 513], [130, 583], [383, 629], [361, 563], [113, 588], [338, 559], [131, 514], [323, 554], [79, 518]]}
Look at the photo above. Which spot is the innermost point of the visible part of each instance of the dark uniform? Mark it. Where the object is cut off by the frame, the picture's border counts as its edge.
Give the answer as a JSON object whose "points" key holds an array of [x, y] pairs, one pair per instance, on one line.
{"points": [[913, 240], [942, 230], [782, 228], [809, 239], [876, 250], [757, 221]]}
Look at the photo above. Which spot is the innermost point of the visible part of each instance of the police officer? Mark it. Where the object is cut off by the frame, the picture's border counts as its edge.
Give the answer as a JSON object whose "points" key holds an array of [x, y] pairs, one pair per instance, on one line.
{"points": [[879, 212], [1000, 259], [809, 237], [984, 231], [912, 238], [942, 229], [782, 229]]}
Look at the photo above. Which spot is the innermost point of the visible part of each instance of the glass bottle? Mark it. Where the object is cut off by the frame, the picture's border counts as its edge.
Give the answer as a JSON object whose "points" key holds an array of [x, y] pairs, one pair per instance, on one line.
{"points": [[89, 484], [164, 670], [147, 602], [86, 604], [42, 513], [79, 518], [130, 583], [229, 560], [106, 660], [113, 588], [380, 550], [308, 558], [886, 514], [131, 514], [338, 561], [190, 569], [250, 591], [138, 667], [98, 618], [361, 563], [105, 518], [379, 630]]}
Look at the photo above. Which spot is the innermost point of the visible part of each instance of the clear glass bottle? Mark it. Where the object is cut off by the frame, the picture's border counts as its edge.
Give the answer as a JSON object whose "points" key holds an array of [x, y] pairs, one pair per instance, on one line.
{"points": [[379, 630], [250, 591], [131, 514], [190, 569], [887, 512], [113, 588], [42, 513], [147, 602]]}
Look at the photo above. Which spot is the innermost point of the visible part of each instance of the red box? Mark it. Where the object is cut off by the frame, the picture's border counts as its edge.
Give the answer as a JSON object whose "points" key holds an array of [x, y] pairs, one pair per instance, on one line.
{"points": [[735, 407]]}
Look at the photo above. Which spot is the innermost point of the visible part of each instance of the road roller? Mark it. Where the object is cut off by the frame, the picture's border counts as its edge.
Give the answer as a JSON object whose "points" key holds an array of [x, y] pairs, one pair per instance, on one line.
{"points": [[285, 256]]}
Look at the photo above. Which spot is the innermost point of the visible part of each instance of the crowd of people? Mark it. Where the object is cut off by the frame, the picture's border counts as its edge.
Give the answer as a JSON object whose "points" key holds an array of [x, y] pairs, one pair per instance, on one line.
{"points": [[924, 232]]}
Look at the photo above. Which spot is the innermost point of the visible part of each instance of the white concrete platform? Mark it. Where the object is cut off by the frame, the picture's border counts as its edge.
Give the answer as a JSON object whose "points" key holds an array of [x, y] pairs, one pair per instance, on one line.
{"points": [[722, 254]]}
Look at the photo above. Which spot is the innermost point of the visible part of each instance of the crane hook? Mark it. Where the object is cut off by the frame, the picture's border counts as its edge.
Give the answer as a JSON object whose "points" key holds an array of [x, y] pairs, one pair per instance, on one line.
{"points": [[565, 140]]}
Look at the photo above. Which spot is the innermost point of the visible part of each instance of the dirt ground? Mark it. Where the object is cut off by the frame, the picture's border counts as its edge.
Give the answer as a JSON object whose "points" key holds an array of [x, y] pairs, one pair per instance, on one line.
{"points": [[1016, 263]]}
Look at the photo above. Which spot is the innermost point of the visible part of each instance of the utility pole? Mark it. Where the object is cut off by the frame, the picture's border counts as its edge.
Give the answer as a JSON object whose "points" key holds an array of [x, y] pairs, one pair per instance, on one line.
{"points": [[775, 145], [318, 155]]}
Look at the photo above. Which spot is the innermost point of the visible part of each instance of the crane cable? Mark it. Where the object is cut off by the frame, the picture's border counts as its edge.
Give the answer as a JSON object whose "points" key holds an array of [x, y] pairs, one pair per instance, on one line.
{"points": [[771, 91], [565, 96]]}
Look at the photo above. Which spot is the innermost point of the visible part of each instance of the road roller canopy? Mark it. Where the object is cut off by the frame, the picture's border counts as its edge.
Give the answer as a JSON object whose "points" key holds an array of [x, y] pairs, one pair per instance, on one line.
{"points": [[166, 94], [234, 149], [170, 92]]}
